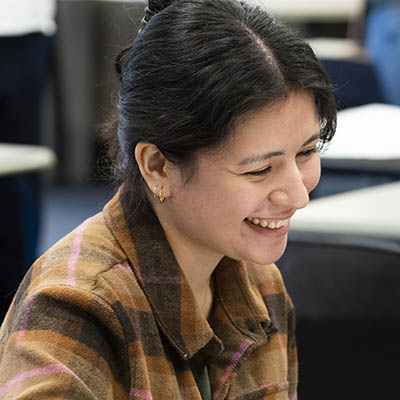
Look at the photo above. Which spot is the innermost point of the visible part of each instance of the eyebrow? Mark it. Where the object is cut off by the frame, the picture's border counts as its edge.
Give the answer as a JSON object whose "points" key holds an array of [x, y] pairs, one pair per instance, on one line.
{"points": [[267, 156], [311, 139]]}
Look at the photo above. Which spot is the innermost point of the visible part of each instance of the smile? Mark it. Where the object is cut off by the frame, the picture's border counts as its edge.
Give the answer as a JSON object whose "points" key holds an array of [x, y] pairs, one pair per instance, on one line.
{"points": [[270, 225]]}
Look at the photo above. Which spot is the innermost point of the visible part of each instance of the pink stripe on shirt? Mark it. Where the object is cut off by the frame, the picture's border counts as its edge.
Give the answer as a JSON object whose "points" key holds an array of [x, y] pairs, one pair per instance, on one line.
{"points": [[125, 268], [27, 311], [162, 279], [235, 359], [50, 369], [263, 387], [140, 394], [76, 250]]}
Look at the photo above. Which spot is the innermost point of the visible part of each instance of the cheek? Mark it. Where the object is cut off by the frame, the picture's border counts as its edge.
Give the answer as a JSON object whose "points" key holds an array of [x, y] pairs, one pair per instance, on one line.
{"points": [[226, 206], [228, 203], [312, 174], [202, 200]]}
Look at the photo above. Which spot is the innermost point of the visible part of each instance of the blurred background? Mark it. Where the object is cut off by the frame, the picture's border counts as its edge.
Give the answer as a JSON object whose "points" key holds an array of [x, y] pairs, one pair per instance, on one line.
{"points": [[58, 86]]}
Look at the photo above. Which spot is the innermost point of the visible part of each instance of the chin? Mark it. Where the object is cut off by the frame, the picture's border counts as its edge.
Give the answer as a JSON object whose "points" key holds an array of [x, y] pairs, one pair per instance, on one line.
{"points": [[268, 257]]}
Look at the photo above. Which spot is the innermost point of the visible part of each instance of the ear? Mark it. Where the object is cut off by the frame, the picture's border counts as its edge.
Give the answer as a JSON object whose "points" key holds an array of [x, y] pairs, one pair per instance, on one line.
{"points": [[153, 167]]}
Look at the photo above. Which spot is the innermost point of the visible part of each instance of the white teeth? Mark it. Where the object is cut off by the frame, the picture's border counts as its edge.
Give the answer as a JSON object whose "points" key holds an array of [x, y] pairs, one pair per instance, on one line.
{"points": [[270, 225]]}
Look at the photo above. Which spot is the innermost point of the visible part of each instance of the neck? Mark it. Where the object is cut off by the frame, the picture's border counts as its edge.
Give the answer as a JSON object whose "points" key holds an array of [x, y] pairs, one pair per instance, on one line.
{"points": [[198, 271], [198, 266]]}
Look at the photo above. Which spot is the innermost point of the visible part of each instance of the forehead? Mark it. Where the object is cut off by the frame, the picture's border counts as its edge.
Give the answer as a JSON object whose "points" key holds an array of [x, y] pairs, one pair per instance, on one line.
{"points": [[282, 127], [279, 127]]}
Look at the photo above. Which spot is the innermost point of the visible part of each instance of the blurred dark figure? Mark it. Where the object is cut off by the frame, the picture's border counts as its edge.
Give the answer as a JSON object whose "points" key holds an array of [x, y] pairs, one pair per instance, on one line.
{"points": [[26, 29], [382, 39]]}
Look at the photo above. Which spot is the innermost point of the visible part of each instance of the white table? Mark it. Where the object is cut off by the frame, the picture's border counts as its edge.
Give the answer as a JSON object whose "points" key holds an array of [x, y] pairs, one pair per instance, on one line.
{"points": [[373, 212], [18, 158], [297, 11], [367, 138], [313, 10], [144, 2]]}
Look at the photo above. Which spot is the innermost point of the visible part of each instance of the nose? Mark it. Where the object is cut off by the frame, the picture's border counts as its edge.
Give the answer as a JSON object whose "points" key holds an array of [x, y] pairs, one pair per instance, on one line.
{"points": [[291, 191]]}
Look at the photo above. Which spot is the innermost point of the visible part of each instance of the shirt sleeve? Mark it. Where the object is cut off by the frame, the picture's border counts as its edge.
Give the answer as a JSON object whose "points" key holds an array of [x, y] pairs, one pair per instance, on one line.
{"points": [[62, 342], [292, 350]]}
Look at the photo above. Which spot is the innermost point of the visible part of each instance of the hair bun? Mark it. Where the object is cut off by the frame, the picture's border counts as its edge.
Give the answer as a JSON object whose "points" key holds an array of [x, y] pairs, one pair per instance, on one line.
{"points": [[153, 8]]}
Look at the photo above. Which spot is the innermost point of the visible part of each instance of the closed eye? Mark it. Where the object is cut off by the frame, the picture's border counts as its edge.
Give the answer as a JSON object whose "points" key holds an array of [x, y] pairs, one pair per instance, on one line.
{"points": [[308, 152], [262, 172]]}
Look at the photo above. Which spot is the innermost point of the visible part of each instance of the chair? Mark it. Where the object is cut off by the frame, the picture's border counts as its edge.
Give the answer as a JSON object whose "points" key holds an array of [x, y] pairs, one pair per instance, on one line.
{"points": [[346, 291], [348, 63], [351, 71], [355, 82]]}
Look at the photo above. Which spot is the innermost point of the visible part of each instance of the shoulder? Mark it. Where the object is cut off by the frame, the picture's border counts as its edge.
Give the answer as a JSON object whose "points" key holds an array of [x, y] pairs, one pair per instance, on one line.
{"points": [[86, 269], [79, 258]]}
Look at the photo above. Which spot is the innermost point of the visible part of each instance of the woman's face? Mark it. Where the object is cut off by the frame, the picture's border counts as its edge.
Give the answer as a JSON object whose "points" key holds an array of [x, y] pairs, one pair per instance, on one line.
{"points": [[240, 200]]}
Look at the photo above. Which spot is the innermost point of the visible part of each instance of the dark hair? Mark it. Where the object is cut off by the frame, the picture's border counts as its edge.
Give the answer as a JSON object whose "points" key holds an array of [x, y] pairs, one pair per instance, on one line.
{"points": [[198, 66]]}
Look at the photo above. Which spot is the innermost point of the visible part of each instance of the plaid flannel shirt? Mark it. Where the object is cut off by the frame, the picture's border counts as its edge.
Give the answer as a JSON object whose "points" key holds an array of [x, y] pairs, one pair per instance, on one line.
{"points": [[107, 313]]}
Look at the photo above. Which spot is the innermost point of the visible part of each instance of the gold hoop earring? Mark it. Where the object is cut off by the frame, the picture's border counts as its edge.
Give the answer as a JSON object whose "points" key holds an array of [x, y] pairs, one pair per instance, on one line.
{"points": [[161, 195]]}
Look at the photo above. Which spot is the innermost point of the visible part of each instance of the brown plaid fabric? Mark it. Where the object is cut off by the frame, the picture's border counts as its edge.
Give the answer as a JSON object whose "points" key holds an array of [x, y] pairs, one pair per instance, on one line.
{"points": [[108, 314]]}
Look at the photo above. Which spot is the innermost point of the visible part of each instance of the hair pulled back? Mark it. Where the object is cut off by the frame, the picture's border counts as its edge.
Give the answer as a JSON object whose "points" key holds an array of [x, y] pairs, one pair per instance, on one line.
{"points": [[198, 66]]}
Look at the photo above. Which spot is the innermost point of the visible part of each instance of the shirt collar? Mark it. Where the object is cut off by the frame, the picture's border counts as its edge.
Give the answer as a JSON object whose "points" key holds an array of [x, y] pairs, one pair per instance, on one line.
{"points": [[170, 295]]}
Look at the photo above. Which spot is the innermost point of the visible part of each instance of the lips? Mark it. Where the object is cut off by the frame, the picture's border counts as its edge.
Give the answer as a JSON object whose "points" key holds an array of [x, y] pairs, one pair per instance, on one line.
{"points": [[268, 224]]}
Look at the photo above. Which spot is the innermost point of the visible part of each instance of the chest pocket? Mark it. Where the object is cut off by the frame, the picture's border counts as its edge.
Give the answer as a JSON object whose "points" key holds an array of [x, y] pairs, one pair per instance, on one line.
{"points": [[277, 391]]}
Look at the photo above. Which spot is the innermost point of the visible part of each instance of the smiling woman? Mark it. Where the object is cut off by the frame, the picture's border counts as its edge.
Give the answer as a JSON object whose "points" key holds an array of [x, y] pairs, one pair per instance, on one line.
{"points": [[171, 291], [208, 218]]}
